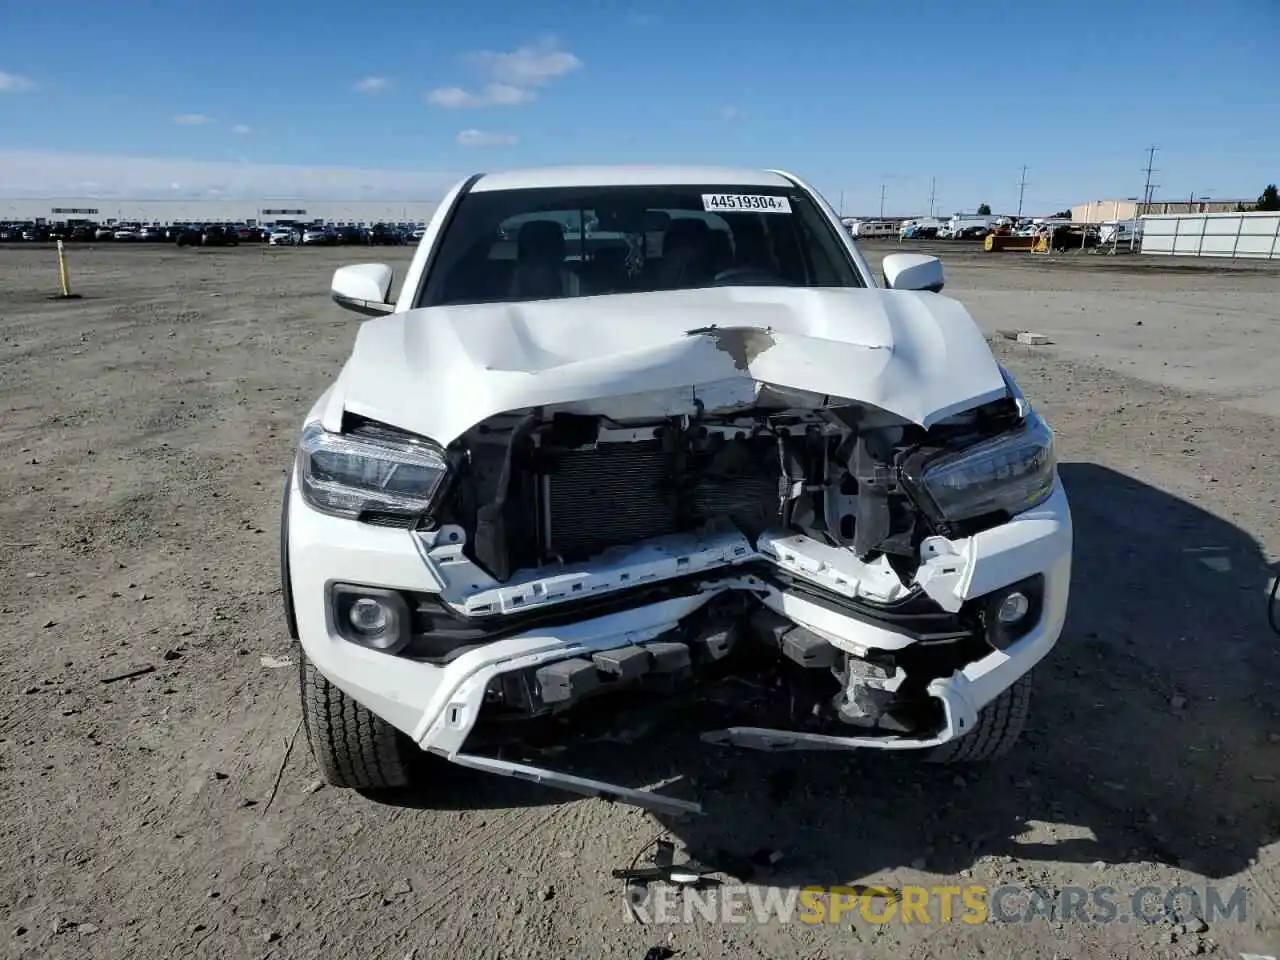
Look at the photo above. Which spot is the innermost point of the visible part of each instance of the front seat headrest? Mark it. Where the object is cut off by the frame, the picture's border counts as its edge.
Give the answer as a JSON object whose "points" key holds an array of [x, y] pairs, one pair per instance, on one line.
{"points": [[686, 230], [541, 240]]}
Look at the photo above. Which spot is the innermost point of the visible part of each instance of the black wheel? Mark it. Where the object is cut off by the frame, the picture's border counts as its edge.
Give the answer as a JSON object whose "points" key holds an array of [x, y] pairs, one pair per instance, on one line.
{"points": [[1000, 724], [353, 747]]}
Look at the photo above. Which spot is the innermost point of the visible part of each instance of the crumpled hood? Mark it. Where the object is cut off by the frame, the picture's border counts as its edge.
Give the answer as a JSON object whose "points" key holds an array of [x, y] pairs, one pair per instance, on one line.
{"points": [[438, 371]]}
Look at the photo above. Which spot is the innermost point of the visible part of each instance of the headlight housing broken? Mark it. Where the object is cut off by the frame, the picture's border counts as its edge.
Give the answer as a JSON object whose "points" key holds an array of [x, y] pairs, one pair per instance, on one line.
{"points": [[1007, 474], [388, 476]]}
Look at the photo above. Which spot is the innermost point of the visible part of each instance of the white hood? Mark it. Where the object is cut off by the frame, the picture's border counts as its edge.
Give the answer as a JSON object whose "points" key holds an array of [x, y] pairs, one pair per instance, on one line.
{"points": [[439, 371]]}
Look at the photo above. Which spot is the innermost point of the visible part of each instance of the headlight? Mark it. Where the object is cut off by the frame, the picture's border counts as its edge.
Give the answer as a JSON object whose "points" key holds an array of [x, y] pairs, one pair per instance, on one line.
{"points": [[348, 475], [1010, 473]]}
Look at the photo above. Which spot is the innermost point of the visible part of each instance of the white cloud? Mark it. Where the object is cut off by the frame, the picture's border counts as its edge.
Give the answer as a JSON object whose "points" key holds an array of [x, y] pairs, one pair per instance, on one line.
{"points": [[481, 138], [240, 129], [192, 119], [12, 83], [494, 95], [529, 66], [371, 85], [511, 77], [34, 174]]}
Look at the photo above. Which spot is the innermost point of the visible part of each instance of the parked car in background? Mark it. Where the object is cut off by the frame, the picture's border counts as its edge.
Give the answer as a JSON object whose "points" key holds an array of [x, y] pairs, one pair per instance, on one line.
{"points": [[925, 228], [384, 234], [316, 236], [969, 227], [220, 236], [283, 236], [1073, 236]]}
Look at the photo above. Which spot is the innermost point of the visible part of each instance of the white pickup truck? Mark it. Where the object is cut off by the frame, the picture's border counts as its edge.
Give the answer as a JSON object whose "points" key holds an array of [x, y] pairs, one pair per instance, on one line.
{"points": [[560, 469]]}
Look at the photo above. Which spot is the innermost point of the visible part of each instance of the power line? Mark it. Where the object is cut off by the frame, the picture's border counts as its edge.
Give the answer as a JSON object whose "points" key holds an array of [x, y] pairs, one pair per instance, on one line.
{"points": [[1022, 186]]}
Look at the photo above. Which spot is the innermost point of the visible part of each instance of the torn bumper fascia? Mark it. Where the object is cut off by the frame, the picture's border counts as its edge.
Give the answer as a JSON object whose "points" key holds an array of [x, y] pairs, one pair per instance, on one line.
{"points": [[438, 706]]}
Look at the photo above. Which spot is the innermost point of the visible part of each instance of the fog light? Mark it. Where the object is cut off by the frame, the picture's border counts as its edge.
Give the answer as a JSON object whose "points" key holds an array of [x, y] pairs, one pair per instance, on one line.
{"points": [[1012, 608], [1010, 614], [369, 616]]}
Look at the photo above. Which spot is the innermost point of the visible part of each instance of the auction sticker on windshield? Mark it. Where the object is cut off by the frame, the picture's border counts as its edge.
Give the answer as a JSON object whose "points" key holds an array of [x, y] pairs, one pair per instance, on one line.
{"points": [[752, 203]]}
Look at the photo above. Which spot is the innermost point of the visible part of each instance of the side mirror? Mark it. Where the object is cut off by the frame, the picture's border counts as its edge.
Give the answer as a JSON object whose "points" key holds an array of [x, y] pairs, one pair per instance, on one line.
{"points": [[363, 288], [913, 271]]}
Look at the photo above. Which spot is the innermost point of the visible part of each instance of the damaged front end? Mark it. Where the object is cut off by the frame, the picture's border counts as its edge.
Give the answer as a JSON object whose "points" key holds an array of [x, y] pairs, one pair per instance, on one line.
{"points": [[858, 571]]}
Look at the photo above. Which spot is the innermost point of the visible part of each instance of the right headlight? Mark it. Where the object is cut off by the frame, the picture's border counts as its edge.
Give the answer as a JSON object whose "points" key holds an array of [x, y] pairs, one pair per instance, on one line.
{"points": [[1009, 474], [388, 475]]}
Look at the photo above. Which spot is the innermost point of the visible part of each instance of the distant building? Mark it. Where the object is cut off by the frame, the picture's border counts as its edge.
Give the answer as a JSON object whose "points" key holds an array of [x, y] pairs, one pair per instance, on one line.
{"points": [[252, 212], [1098, 211]]}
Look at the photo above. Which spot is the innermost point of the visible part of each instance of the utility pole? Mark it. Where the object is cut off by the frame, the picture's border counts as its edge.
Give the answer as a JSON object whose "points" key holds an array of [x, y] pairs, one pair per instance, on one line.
{"points": [[842, 203], [933, 183], [882, 189], [1022, 186], [1147, 191]]}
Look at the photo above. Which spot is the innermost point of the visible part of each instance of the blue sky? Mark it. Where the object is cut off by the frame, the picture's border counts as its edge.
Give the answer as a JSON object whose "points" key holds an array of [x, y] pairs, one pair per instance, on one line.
{"points": [[396, 99]]}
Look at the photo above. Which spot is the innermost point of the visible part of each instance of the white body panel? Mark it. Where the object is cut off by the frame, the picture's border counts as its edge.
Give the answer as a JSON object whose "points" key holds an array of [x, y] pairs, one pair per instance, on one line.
{"points": [[441, 370]]}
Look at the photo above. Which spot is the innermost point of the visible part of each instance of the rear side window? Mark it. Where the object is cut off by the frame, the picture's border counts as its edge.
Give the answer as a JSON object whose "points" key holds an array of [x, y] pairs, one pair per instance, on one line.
{"points": [[567, 242]]}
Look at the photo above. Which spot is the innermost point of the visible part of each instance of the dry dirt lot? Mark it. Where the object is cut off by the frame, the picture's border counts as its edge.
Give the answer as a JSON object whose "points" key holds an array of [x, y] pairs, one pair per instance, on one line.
{"points": [[177, 813]]}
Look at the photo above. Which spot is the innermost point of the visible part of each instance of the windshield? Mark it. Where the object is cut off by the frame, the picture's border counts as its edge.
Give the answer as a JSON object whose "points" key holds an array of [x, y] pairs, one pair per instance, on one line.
{"points": [[543, 244]]}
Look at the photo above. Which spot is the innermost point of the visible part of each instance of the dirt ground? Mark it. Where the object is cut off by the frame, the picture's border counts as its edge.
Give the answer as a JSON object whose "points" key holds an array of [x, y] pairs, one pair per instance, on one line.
{"points": [[178, 812]]}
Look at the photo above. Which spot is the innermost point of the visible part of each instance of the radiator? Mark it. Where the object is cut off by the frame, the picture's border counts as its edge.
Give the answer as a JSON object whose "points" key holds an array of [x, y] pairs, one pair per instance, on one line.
{"points": [[626, 492]]}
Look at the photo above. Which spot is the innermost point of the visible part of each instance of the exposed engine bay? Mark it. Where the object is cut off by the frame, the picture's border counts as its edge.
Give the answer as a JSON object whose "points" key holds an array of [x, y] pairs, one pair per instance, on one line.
{"points": [[541, 488], [540, 491]]}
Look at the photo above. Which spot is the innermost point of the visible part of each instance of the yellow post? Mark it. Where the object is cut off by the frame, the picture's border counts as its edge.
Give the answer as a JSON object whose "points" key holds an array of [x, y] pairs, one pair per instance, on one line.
{"points": [[62, 270]]}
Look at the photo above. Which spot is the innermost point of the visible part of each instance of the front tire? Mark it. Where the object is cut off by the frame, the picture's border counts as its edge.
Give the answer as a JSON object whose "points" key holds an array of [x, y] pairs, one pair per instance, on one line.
{"points": [[1000, 724], [353, 747]]}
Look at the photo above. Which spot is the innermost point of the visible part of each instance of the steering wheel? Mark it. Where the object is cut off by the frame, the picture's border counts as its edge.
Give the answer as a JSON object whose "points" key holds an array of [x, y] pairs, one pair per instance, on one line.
{"points": [[744, 275]]}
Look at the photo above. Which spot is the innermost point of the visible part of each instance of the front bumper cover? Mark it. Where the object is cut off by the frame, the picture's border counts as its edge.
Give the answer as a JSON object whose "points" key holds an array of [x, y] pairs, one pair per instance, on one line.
{"points": [[438, 704]]}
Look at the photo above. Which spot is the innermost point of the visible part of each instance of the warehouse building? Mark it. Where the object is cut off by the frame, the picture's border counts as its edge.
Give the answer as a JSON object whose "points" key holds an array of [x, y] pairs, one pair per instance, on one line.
{"points": [[251, 212], [1100, 211]]}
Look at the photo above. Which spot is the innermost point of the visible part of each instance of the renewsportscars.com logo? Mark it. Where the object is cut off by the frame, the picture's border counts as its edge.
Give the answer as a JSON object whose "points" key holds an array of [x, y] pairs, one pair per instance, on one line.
{"points": [[971, 904]]}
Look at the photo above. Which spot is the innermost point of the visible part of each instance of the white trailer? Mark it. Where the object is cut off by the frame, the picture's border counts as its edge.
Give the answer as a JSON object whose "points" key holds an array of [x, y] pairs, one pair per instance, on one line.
{"points": [[862, 229], [1118, 231]]}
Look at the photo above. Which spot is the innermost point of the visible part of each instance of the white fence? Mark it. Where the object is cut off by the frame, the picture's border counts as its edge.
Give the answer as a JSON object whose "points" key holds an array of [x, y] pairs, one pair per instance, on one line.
{"points": [[1254, 236]]}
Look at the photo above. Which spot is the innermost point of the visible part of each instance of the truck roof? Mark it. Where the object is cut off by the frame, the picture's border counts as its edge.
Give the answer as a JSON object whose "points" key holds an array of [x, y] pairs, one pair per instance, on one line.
{"points": [[628, 176]]}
